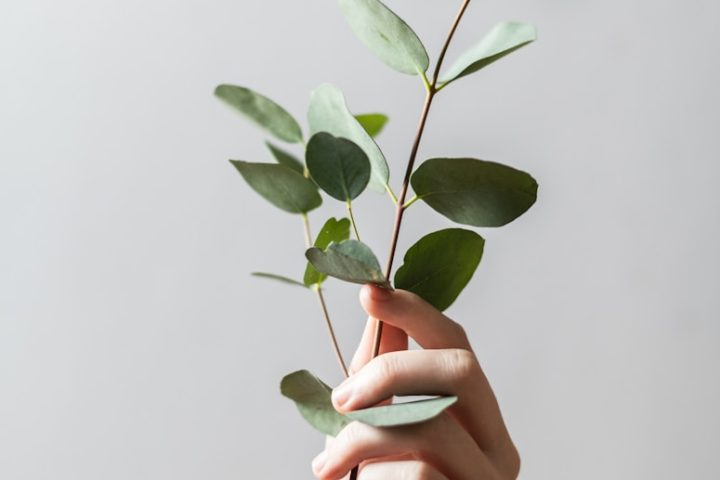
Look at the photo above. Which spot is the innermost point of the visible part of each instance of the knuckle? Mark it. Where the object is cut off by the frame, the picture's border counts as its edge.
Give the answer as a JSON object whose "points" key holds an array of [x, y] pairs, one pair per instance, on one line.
{"points": [[460, 364], [385, 369]]}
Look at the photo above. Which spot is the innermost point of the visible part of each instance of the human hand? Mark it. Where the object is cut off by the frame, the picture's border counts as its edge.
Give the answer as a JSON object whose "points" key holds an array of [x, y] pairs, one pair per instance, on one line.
{"points": [[467, 441]]}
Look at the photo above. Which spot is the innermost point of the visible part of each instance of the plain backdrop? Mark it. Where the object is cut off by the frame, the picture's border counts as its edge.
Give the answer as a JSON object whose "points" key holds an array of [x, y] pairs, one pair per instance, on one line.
{"points": [[133, 342]]}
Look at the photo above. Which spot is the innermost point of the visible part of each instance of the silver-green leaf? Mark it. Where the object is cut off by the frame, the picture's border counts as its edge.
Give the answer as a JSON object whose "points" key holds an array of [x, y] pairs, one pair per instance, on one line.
{"points": [[329, 113], [386, 35], [338, 166], [439, 266], [279, 278], [312, 398], [407, 413], [332, 231], [351, 261], [262, 111], [474, 192], [283, 187], [502, 40], [373, 123]]}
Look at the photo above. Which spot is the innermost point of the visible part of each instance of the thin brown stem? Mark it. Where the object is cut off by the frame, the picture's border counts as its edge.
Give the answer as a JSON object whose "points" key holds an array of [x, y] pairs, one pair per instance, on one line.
{"points": [[431, 92], [323, 305]]}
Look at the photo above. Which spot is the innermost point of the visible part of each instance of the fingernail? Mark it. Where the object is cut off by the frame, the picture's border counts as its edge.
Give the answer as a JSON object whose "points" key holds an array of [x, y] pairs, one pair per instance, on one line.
{"points": [[342, 393], [380, 294], [319, 462]]}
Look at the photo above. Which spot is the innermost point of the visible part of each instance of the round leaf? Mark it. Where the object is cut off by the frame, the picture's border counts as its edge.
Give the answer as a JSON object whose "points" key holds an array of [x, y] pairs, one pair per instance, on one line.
{"points": [[262, 111], [439, 266], [312, 398], [386, 35], [329, 113], [474, 192], [351, 261], [338, 166], [502, 40], [285, 158], [280, 185], [373, 123], [333, 231]]}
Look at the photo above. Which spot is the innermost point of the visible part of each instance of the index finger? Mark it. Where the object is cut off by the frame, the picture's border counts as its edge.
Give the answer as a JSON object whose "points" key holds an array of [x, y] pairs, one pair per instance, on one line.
{"points": [[413, 315]]}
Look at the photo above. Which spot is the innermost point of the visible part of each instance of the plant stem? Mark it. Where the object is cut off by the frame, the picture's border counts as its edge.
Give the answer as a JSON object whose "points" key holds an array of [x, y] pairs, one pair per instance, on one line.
{"points": [[352, 219], [323, 306], [400, 209]]}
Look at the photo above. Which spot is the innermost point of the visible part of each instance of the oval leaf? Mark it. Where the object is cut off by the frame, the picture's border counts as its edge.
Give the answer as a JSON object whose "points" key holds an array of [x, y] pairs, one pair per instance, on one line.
{"points": [[439, 266], [286, 159], [474, 192], [329, 113], [403, 413], [262, 111], [386, 35], [338, 166], [312, 398], [281, 186], [279, 278], [333, 231], [373, 123], [502, 40], [351, 261]]}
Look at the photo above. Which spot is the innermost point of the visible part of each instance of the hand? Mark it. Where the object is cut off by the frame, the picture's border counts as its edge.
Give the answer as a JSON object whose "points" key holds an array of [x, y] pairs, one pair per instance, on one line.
{"points": [[468, 441]]}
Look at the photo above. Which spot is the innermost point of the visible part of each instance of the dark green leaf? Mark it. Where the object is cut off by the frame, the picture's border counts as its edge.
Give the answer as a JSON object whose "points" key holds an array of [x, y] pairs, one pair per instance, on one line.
{"points": [[403, 413], [312, 398], [279, 278], [338, 166], [280, 185], [474, 192], [261, 110], [502, 40], [373, 123], [329, 113], [439, 266], [351, 261], [333, 231], [386, 35], [286, 159]]}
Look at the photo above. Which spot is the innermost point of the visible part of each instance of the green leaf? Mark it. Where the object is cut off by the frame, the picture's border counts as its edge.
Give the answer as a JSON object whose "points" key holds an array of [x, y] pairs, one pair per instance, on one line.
{"points": [[333, 231], [351, 261], [474, 192], [373, 123], [286, 159], [502, 40], [329, 113], [403, 413], [386, 35], [262, 111], [280, 185], [439, 266], [338, 166], [312, 398], [279, 278]]}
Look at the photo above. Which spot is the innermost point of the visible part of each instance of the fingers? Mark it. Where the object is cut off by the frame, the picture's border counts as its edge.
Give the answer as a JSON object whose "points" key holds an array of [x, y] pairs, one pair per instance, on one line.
{"points": [[440, 442], [405, 470], [417, 318], [393, 339], [414, 372]]}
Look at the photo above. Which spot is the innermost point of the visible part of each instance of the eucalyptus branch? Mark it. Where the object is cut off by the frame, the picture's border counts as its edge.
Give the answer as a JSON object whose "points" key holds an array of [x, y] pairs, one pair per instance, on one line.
{"points": [[323, 306], [352, 219], [430, 95]]}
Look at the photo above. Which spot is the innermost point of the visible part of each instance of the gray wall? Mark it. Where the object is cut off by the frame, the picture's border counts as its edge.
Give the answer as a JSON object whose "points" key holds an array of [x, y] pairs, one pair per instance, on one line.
{"points": [[133, 344]]}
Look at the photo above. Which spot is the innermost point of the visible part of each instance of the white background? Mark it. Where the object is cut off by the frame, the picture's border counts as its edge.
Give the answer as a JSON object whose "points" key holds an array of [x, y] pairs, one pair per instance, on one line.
{"points": [[134, 344]]}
